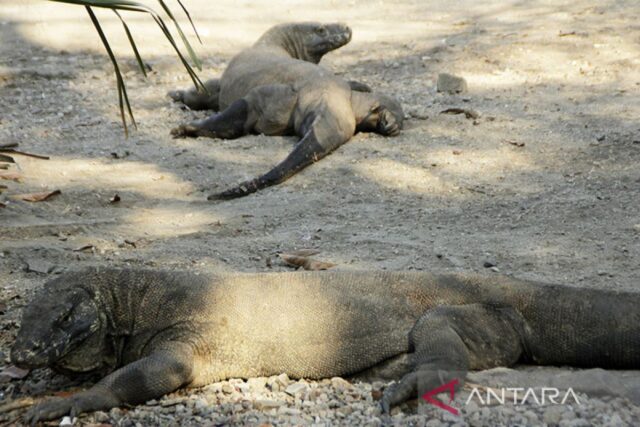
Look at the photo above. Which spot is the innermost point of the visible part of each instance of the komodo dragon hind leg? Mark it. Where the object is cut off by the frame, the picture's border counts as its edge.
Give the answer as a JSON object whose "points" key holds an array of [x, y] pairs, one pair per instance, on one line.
{"points": [[447, 341], [198, 99], [265, 109], [229, 124]]}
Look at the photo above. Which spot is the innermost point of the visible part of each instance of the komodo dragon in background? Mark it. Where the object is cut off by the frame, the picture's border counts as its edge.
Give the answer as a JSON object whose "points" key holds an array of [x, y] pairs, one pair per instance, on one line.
{"points": [[275, 88], [151, 332]]}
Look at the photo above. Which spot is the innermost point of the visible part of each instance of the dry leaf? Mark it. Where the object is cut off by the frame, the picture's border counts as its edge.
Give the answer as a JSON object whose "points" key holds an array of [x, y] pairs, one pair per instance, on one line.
{"points": [[306, 263], [12, 372], [83, 248], [10, 176], [468, 112], [514, 143], [36, 197]]}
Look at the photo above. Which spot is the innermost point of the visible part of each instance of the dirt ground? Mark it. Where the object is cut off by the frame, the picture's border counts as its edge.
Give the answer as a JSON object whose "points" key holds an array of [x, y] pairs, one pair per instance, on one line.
{"points": [[545, 184]]}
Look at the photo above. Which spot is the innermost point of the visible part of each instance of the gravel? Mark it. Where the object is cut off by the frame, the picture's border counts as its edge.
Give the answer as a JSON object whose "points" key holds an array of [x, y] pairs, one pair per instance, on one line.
{"points": [[278, 400]]}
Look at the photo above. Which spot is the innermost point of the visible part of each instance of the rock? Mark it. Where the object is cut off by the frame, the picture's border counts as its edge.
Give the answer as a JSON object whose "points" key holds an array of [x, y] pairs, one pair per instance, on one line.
{"points": [[471, 407], [67, 421], [228, 388], [266, 404], [532, 417], [448, 83], [295, 388], [553, 415], [489, 264], [257, 384], [40, 266], [283, 380], [340, 384]]}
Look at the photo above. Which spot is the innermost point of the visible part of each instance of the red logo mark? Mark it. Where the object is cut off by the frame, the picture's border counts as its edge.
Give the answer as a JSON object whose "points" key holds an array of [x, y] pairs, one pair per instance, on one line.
{"points": [[430, 396]]}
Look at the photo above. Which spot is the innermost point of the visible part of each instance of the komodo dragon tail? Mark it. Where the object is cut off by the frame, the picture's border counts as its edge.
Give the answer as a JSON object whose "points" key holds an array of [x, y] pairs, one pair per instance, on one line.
{"points": [[321, 139]]}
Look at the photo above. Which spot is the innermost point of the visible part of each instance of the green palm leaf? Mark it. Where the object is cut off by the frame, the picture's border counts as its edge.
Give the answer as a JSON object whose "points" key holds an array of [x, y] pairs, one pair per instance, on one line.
{"points": [[132, 6]]}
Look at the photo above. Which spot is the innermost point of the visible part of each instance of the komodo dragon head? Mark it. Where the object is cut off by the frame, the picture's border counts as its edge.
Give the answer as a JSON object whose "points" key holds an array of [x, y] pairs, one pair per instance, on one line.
{"points": [[61, 328], [376, 112], [307, 41]]}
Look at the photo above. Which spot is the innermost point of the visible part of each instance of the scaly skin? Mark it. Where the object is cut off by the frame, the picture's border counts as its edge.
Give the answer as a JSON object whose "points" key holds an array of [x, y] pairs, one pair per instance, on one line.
{"points": [[151, 332], [275, 87]]}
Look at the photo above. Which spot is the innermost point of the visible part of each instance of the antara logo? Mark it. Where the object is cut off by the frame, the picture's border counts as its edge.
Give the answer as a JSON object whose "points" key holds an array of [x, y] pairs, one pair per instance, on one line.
{"points": [[491, 396], [430, 396]]}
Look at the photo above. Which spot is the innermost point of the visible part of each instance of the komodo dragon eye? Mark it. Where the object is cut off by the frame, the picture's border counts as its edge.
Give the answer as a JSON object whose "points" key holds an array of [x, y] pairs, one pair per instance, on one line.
{"points": [[65, 318], [321, 31]]}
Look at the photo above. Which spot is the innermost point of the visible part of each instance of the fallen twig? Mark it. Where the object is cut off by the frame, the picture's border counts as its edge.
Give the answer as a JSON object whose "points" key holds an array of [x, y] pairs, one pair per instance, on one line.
{"points": [[17, 404], [514, 143], [23, 153]]}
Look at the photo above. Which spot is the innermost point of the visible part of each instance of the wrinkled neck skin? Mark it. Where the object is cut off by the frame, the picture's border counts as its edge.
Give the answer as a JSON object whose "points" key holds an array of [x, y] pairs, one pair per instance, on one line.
{"points": [[290, 43]]}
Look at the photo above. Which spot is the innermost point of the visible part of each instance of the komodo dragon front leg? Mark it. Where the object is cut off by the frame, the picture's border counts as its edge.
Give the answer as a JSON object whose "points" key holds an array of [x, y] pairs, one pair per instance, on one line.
{"points": [[447, 341], [198, 99], [161, 372]]}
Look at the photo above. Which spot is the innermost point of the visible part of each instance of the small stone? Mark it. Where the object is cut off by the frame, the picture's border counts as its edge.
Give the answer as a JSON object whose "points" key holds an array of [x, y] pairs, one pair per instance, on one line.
{"points": [[227, 388], [101, 416], [295, 388], [67, 421], [471, 407], [40, 266], [531, 417], [553, 415], [257, 384], [283, 380], [615, 421], [489, 264], [266, 404], [449, 83], [340, 384]]}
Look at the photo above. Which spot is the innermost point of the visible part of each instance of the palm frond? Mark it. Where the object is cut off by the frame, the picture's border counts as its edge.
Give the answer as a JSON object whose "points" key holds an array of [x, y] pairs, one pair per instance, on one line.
{"points": [[132, 6]]}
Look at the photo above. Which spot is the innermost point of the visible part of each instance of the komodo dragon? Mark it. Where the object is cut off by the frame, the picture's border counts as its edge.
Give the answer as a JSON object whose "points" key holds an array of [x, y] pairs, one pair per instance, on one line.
{"points": [[275, 88], [151, 332]]}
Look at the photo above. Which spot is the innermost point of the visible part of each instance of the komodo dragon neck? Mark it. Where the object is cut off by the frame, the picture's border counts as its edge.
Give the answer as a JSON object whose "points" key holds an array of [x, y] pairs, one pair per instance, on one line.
{"points": [[284, 42]]}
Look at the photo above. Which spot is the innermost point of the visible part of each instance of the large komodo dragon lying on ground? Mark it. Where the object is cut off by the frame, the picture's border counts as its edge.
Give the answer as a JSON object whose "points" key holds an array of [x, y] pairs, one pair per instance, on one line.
{"points": [[152, 332], [276, 88]]}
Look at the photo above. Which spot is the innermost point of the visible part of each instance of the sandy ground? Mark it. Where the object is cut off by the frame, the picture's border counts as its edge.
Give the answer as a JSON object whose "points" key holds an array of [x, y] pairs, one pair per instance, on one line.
{"points": [[545, 184]]}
